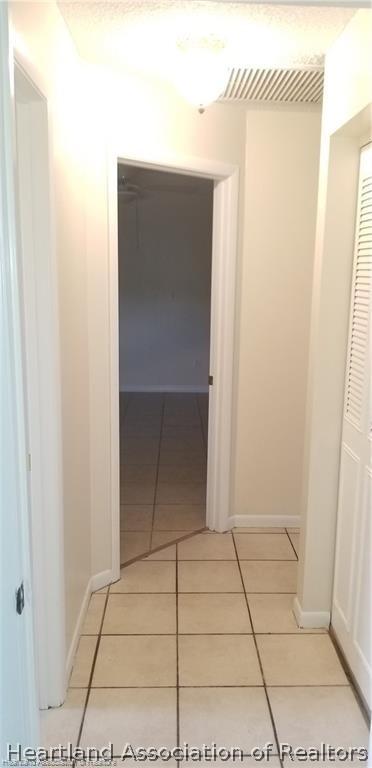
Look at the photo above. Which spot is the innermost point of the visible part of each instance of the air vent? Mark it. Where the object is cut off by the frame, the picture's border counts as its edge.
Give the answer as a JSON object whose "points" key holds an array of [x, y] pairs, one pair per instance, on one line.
{"points": [[287, 85]]}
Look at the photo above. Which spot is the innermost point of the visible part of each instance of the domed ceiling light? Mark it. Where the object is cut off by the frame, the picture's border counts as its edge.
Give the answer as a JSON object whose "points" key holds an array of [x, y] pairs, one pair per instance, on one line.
{"points": [[201, 69]]}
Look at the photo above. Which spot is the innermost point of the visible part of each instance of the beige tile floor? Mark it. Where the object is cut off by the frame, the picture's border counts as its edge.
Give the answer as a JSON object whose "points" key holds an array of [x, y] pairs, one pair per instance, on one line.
{"points": [[192, 644], [163, 453]]}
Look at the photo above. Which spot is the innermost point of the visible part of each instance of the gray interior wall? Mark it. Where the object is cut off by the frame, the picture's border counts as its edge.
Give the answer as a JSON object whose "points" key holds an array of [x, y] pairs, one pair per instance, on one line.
{"points": [[165, 243]]}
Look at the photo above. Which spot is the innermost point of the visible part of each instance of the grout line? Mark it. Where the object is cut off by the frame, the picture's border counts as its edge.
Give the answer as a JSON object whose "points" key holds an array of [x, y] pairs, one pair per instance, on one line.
{"points": [[200, 634], [92, 669], [204, 559], [258, 656], [350, 677], [144, 555], [291, 543], [196, 687], [157, 469], [202, 592], [177, 657]]}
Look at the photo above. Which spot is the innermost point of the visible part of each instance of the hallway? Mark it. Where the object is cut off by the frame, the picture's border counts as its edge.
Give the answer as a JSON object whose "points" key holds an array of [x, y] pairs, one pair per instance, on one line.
{"points": [[163, 469], [197, 643]]}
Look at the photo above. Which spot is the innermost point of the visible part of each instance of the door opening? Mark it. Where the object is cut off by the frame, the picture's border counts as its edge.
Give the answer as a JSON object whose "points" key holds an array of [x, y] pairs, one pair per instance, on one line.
{"points": [[225, 180], [165, 224]]}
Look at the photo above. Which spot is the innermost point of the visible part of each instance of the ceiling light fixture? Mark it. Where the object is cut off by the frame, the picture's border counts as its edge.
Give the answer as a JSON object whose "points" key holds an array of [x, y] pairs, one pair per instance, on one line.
{"points": [[201, 71]]}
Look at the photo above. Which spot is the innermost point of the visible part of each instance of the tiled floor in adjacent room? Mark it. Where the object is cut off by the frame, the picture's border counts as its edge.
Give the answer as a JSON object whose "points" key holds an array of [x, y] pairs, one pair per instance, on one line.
{"points": [[163, 468], [197, 643]]}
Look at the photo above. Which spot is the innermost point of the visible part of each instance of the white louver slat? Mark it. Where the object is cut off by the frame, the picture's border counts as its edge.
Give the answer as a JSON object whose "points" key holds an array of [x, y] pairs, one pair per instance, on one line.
{"points": [[287, 85], [359, 337]]}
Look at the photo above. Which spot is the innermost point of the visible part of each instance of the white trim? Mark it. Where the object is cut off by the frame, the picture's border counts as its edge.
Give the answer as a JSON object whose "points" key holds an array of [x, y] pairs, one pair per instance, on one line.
{"points": [[78, 629], [187, 388], [264, 521], [100, 580], [224, 259], [96, 582], [310, 619], [40, 310], [114, 416], [18, 702]]}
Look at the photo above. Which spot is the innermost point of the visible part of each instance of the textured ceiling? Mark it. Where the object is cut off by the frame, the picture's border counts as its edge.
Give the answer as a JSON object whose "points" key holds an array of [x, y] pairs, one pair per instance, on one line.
{"points": [[141, 35]]}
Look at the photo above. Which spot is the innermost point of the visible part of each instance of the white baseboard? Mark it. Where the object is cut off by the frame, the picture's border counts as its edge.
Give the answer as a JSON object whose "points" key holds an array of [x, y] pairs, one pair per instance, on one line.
{"points": [[77, 630], [191, 388], [100, 580], [310, 619], [97, 581], [263, 521]]}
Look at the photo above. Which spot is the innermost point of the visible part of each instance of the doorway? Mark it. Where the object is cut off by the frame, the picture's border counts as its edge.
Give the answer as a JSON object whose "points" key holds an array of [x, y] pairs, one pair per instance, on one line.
{"points": [[164, 265], [225, 179]]}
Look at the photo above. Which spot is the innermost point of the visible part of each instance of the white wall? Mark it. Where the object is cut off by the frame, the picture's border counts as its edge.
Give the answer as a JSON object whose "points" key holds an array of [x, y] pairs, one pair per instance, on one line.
{"points": [[347, 124], [165, 246], [49, 57], [281, 173]]}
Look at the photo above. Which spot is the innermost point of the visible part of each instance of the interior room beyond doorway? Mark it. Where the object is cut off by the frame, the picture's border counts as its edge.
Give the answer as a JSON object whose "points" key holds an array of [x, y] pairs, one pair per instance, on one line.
{"points": [[165, 251]]}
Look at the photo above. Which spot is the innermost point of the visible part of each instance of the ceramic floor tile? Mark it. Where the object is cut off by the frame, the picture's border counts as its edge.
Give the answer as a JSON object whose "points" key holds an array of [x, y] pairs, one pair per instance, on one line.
{"points": [[226, 716], [197, 576], [167, 553], [179, 517], [215, 546], [135, 660], [179, 474], [206, 660], [273, 614], [93, 616], [140, 428], [141, 444], [145, 576], [183, 441], [83, 661], [133, 544], [136, 517], [203, 614], [137, 493], [138, 456], [138, 473], [181, 419], [164, 537], [61, 725], [170, 430], [181, 493], [300, 660], [264, 546], [182, 458], [140, 614], [142, 717], [306, 717], [269, 576]]}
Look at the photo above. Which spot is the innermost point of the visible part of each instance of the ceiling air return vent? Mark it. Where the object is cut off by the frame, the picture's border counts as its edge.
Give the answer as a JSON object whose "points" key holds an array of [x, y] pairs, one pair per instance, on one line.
{"points": [[286, 85]]}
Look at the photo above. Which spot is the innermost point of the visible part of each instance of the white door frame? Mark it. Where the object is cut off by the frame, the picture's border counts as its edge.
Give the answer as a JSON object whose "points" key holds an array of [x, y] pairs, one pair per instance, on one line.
{"points": [[39, 303], [19, 715], [224, 262]]}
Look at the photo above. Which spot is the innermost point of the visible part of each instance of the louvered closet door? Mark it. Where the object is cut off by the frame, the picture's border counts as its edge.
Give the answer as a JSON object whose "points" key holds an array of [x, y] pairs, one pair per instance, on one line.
{"points": [[352, 599]]}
